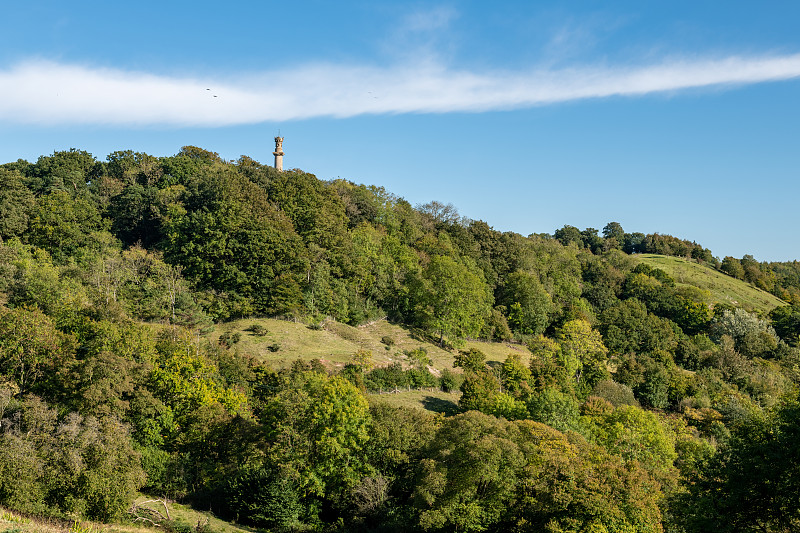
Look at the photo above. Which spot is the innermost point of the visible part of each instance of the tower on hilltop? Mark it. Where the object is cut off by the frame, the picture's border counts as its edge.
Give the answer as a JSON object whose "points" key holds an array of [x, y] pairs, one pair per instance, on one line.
{"points": [[278, 153]]}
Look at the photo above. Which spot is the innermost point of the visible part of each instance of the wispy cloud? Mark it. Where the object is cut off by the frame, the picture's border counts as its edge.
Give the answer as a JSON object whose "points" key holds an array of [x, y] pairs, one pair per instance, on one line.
{"points": [[39, 92]]}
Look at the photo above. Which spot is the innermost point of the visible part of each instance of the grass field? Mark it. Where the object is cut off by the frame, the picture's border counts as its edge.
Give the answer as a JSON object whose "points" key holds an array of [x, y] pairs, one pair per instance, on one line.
{"points": [[428, 399], [335, 343], [721, 288], [11, 522]]}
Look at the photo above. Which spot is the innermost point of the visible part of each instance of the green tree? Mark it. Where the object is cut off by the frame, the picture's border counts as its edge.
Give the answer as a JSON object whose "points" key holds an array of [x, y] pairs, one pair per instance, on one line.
{"points": [[528, 303], [16, 204], [556, 409], [69, 171], [751, 484], [31, 348], [752, 336], [470, 476], [451, 300], [732, 267], [569, 234], [65, 226], [583, 353], [472, 360], [613, 230], [786, 321], [487, 474], [638, 435], [317, 428], [232, 240]]}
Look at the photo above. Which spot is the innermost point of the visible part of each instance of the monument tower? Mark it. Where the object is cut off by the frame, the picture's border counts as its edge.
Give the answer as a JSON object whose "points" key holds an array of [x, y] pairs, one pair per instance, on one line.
{"points": [[278, 153]]}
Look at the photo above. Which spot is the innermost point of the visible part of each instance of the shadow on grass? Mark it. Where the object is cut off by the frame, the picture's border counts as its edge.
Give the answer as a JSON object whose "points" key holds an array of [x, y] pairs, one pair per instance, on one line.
{"points": [[440, 405]]}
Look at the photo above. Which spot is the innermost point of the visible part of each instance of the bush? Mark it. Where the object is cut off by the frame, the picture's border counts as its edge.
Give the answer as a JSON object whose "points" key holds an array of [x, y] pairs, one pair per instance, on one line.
{"points": [[387, 340], [419, 356], [616, 393], [421, 378], [387, 377], [450, 381], [66, 466], [229, 338], [258, 330]]}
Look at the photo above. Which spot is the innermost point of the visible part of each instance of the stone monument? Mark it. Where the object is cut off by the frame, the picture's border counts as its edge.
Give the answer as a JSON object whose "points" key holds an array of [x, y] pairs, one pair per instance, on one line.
{"points": [[278, 153]]}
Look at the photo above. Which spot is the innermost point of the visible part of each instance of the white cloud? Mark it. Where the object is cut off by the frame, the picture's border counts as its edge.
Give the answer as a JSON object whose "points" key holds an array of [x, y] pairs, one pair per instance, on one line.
{"points": [[39, 92]]}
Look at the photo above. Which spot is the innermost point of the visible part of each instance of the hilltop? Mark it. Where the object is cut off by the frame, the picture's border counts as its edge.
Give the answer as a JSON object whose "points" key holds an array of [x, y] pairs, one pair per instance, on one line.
{"points": [[720, 288]]}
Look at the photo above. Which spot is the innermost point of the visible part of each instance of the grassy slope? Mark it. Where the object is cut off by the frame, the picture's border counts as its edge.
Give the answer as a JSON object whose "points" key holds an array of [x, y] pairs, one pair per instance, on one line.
{"points": [[336, 343], [722, 288], [14, 522]]}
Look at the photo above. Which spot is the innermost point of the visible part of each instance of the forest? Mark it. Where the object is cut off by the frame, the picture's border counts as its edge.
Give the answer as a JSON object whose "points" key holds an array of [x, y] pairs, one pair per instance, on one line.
{"points": [[644, 406]]}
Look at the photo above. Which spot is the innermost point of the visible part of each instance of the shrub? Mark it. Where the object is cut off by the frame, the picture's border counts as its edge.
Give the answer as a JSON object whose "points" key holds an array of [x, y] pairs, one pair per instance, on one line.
{"points": [[258, 330], [387, 377], [450, 381], [419, 356], [421, 377], [229, 338], [387, 340], [616, 393]]}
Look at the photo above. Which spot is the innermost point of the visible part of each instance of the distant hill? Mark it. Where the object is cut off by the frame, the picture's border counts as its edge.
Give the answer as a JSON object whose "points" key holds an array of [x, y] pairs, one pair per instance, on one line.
{"points": [[721, 287]]}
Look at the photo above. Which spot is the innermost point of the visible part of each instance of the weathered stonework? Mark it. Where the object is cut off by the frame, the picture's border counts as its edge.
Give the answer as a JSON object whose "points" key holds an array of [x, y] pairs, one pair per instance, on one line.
{"points": [[278, 153]]}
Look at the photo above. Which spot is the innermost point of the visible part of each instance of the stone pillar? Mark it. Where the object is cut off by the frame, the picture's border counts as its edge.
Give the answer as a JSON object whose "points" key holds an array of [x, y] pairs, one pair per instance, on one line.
{"points": [[278, 153]]}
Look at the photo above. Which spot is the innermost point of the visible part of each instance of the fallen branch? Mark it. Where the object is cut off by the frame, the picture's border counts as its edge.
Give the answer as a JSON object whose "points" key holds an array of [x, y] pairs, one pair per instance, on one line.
{"points": [[141, 513]]}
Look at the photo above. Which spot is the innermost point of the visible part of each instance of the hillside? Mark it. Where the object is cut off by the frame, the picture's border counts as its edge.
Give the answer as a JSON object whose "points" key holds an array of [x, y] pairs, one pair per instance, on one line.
{"points": [[281, 342], [720, 287], [296, 354]]}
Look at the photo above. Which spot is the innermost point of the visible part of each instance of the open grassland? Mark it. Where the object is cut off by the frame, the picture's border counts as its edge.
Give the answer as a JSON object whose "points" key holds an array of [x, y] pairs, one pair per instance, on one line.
{"points": [[429, 399], [184, 518], [281, 342], [720, 287], [197, 520]]}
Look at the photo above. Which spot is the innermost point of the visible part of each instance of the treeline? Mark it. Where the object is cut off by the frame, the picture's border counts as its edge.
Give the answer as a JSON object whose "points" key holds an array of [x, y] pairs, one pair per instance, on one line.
{"points": [[640, 404]]}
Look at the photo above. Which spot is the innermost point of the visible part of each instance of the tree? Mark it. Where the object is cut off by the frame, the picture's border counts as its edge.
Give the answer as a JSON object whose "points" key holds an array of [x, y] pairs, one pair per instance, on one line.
{"points": [[472, 360], [569, 234], [470, 476], [29, 344], [487, 474], [753, 483], [136, 216], [583, 352], [613, 230], [16, 204], [732, 267], [236, 242], [556, 409], [638, 435], [318, 427], [450, 299], [752, 336], [528, 303], [69, 171], [633, 243], [786, 321], [65, 226]]}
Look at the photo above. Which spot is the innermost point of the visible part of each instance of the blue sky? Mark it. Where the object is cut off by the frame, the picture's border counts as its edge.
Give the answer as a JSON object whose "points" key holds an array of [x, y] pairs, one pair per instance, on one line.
{"points": [[672, 117]]}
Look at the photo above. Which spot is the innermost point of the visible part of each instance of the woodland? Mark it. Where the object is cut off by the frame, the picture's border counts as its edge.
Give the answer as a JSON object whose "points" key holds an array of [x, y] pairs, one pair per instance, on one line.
{"points": [[643, 406]]}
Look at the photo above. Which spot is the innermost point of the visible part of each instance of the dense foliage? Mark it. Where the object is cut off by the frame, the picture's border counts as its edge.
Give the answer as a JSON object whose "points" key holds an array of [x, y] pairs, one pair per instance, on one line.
{"points": [[641, 407]]}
